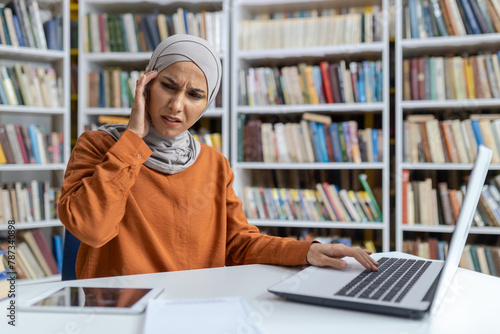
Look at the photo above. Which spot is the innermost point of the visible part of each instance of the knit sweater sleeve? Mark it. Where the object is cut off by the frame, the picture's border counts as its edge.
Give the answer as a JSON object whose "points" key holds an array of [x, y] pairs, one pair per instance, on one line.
{"points": [[246, 245], [97, 181]]}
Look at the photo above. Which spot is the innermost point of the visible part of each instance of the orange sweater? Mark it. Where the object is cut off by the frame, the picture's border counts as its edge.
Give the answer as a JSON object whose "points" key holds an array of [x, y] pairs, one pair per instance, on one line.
{"points": [[134, 220]]}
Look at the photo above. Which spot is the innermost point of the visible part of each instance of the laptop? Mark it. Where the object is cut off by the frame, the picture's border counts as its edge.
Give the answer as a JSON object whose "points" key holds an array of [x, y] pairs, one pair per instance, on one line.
{"points": [[402, 286]]}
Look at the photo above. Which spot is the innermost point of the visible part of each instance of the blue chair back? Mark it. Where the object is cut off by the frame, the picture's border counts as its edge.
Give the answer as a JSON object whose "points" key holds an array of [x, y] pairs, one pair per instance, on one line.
{"points": [[71, 245]]}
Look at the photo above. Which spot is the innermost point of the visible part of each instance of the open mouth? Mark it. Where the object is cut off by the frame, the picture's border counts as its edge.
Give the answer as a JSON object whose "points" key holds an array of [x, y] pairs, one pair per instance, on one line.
{"points": [[173, 120]]}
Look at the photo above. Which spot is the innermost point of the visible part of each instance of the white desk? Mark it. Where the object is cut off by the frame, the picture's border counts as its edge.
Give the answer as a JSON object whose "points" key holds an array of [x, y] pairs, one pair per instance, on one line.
{"points": [[472, 306]]}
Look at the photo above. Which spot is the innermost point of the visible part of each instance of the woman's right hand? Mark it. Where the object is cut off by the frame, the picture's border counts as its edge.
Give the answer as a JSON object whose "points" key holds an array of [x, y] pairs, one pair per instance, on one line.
{"points": [[139, 121]]}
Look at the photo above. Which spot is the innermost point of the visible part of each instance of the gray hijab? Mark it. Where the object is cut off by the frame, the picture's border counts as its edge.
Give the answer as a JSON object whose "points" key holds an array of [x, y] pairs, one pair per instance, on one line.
{"points": [[175, 154]]}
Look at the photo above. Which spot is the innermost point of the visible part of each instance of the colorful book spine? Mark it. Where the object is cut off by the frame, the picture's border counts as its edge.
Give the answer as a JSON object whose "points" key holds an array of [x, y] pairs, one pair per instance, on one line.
{"points": [[366, 186]]}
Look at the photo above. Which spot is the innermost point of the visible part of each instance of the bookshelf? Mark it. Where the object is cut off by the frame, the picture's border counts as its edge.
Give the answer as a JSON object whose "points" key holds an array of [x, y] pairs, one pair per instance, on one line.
{"points": [[48, 118], [251, 51], [464, 106], [216, 117]]}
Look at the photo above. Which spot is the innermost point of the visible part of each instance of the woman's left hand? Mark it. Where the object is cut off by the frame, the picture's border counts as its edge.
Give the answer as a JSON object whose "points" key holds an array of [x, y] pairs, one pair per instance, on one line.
{"points": [[330, 255]]}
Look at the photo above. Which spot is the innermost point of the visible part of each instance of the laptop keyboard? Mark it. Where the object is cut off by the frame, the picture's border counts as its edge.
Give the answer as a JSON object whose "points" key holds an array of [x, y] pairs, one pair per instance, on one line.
{"points": [[392, 281]]}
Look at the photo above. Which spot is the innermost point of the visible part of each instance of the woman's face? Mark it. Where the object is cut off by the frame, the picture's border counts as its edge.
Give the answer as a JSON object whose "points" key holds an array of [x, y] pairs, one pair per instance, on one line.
{"points": [[177, 98]]}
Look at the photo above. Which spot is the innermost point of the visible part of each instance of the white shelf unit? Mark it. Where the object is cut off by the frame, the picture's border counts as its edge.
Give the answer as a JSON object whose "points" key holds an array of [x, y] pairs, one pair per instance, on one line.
{"points": [[52, 119], [437, 46], [242, 10], [88, 62]]}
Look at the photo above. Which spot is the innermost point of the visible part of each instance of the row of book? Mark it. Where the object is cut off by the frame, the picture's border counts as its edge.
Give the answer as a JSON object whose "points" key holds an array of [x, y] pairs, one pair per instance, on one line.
{"points": [[212, 139], [311, 28], [311, 140], [453, 77], [34, 257], [111, 88], [23, 23], [423, 204], [28, 144], [428, 140], [325, 203], [481, 258], [28, 202], [21, 84], [311, 84], [143, 32], [434, 18]]}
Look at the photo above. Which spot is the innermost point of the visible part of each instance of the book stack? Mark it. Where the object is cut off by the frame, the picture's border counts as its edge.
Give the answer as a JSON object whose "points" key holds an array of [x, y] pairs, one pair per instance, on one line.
{"points": [[428, 140], [311, 28], [28, 144], [452, 77], [311, 84], [315, 139], [434, 18], [23, 85], [34, 258], [432, 248], [131, 32], [111, 88], [22, 23], [439, 205], [480, 258], [28, 202], [326, 202]]}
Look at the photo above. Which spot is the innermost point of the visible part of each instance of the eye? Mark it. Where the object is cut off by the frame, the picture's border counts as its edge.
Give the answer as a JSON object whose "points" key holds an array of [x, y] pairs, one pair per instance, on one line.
{"points": [[167, 85], [196, 96]]}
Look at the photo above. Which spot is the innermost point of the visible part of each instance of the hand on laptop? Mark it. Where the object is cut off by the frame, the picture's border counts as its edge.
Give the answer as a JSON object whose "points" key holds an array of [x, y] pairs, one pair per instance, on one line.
{"points": [[330, 255]]}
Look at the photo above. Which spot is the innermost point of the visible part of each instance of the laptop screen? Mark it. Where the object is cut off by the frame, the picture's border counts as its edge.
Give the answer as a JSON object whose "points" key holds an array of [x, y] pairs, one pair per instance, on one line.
{"points": [[459, 237]]}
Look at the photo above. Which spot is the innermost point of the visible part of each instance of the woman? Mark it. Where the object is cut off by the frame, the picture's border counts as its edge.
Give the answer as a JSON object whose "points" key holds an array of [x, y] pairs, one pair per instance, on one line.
{"points": [[148, 197]]}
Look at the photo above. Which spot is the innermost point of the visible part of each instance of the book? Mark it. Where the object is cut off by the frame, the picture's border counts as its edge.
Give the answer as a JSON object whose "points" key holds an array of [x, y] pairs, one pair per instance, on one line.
{"points": [[348, 204], [308, 141], [495, 254], [353, 131], [327, 202], [357, 205], [446, 203], [31, 264], [322, 142], [489, 261], [489, 140], [313, 130], [35, 249], [434, 138], [333, 194], [425, 142], [281, 143], [327, 82], [11, 29], [405, 178], [364, 206], [325, 119], [363, 179]]}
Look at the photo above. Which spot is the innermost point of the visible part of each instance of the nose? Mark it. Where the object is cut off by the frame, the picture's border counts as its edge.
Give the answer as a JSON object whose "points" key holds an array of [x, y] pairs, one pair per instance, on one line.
{"points": [[176, 103]]}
